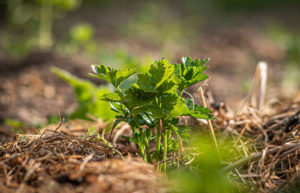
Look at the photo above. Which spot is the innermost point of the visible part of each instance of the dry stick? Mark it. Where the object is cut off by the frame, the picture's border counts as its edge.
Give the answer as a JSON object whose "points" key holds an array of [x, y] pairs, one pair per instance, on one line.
{"points": [[60, 124], [200, 91], [256, 156], [241, 134], [263, 83], [166, 160], [257, 93]]}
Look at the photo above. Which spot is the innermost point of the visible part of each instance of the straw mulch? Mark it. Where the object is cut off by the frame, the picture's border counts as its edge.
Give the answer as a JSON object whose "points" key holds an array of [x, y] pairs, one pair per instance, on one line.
{"points": [[57, 162], [268, 141]]}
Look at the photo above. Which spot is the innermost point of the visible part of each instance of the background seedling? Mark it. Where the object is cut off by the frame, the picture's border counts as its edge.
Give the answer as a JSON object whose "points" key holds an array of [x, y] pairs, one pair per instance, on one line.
{"points": [[87, 95]]}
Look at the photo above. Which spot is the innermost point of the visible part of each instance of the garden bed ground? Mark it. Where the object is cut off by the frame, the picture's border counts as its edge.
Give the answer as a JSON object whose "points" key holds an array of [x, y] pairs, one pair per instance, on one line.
{"points": [[65, 159], [59, 162]]}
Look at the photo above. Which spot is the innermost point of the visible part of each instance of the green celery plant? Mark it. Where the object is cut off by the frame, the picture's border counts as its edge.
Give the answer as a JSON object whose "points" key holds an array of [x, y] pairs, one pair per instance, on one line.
{"points": [[152, 101]]}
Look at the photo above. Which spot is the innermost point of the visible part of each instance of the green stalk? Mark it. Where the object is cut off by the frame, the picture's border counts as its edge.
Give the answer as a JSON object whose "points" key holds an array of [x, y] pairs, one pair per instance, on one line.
{"points": [[146, 145], [147, 150], [142, 149], [102, 138], [165, 153], [164, 167], [158, 137], [158, 140]]}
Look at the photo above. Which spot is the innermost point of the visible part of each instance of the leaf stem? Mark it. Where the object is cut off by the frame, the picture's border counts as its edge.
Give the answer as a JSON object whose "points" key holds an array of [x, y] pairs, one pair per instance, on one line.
{"points": [[142, 150], [158, 140], [147, 150], [164, 167]]}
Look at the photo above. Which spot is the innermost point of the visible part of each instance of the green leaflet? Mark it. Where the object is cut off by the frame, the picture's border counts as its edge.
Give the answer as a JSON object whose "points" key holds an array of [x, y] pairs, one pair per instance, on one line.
{"points": [[111, 75], [161, 71], [135, 97], [110, 97], [190, 72], [145, 83], [160, 78], [161, 109]]}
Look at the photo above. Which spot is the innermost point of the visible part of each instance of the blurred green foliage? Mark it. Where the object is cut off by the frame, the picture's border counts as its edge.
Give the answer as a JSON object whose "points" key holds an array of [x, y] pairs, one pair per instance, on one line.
{"points": [[121, 57], [80, 40], [156, 23], [203, 174], [15, 126], [13, 123], [288, 40], [29, 24], [82, 33], [87, 95], [62, 4], [148, 21], [244, 5]]}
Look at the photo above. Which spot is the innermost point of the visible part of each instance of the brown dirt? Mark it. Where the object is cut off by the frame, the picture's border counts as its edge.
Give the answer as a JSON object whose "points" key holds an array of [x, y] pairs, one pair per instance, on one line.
{"points": [[31, 93]]}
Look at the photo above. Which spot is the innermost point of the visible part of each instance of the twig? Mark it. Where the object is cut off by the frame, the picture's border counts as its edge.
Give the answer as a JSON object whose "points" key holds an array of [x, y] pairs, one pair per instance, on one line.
{"points": [[166, 160], [241, 134], [200, 91], [61, 119]]}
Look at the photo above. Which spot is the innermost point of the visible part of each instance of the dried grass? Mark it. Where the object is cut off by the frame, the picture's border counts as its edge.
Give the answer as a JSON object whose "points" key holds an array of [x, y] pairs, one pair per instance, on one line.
{"points": [[59, 162], [271, 158]]}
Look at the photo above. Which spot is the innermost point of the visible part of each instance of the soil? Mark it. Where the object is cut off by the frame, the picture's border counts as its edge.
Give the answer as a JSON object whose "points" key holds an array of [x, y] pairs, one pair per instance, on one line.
{"points": [[31, 93]]}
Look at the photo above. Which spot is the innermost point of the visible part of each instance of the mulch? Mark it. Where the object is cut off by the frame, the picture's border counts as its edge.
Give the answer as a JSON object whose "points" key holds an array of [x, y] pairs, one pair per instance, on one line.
{"points": [[59, 162], [268, 142]]}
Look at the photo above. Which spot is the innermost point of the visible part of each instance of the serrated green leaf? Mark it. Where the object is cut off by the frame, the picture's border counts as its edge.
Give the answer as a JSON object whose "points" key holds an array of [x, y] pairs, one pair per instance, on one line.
{"points": [[119, 108], [179, 109], [137, 97], [170, 85], [159, 79], [111, 75], [121, 75], [165, 109], [184, 132], [161, 71], [145, 83], [200, 112], [110, 97], [190, 72]]}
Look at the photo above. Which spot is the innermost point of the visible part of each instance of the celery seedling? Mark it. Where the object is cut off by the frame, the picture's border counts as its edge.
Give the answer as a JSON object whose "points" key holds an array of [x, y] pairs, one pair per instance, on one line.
{"points": [[153, 101]]}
